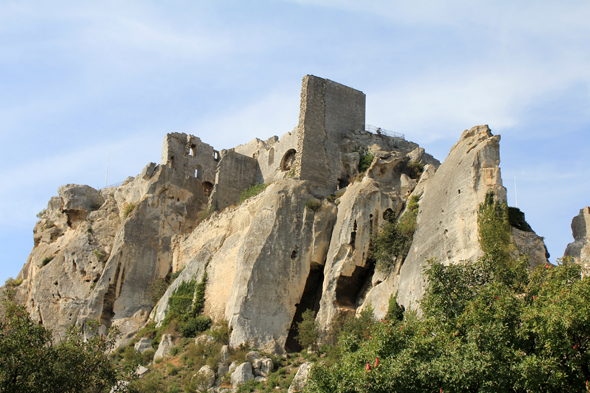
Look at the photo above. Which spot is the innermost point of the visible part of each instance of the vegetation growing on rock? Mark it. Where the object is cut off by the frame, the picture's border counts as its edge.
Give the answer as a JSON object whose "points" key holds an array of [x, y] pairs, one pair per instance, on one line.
{"points": [[491, 325], [393, 242]]}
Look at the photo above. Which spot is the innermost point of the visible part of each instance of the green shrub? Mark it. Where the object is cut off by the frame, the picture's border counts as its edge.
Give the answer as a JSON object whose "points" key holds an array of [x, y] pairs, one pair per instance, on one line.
{"points": [[415, 169], [252, 191], [147, 357], [203, 215], [195, 325], [365, 161], [41, 213], [180, 302], [313, 204], [101, 256], [308, 331], [11, 282], [128, 208], [394, 311], [156, 289], [221, 333], [200, 288], [46, 260], [393, 242]]}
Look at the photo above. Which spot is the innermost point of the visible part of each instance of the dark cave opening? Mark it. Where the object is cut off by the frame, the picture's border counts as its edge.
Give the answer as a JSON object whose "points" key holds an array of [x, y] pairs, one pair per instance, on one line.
{"points": [[310, 300], [350, 288]]}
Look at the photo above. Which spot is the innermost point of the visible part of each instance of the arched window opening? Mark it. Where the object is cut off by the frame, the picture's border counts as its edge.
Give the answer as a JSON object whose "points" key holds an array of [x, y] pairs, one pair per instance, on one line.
{"points": [[199, 172], [207, 188], [288, 160], [215, 155], [193, 151]]}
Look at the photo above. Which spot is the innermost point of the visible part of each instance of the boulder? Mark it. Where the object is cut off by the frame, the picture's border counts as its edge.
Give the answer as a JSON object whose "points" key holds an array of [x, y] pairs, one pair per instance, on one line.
{"points": [[233, 366], [242, 375], [164, 348], [300, 379], [252, 355], [143, 344], [206, 377], [204, 339], [141, 371], [222, 369], [224, 354], [266, 367]]}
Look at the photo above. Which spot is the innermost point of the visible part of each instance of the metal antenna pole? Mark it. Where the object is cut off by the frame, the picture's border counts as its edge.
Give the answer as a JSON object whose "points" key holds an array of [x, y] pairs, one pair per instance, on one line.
{"points": [[515, 193], [107, 178]]}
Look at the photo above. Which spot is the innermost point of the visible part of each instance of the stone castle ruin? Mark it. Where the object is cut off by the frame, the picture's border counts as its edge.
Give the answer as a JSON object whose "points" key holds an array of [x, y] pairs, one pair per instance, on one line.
{"points": [[315, 150], [303, 243]]}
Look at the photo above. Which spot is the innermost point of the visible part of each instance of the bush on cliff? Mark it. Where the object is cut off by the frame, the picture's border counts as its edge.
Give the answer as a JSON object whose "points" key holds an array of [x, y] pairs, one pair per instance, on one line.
{"points": [[393, 241], [488, 326], [31, 362]]}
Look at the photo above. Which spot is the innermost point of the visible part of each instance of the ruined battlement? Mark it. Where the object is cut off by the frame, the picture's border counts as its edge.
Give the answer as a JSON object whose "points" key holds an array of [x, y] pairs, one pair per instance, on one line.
{"points": [[317, 150]]}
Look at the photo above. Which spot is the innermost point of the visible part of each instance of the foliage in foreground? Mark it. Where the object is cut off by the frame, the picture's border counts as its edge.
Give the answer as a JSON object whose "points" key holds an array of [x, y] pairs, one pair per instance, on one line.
{"points": [[30, 363], [489, 326]]}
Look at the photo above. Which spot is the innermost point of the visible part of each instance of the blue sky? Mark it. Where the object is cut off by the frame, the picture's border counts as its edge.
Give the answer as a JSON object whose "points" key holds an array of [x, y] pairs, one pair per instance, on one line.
{"points": [[80, 78]]}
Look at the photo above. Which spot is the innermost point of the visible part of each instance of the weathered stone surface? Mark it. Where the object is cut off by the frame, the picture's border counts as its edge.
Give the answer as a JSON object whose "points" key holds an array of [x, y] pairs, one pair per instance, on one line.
{"points": [[204, 339], [166, 344], [579, 249], [361, 212], [233, 366], [143, 344], [447, 219], [264, 368], [206, 376], [300, 379], [529, 243], [252, 355], [222, 369], [242, 375], [224, 354], [141, 371]]}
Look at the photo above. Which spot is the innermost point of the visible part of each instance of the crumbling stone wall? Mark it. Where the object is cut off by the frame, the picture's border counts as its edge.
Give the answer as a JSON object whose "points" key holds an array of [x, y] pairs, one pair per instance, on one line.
{"points": [[329, 111], [187, 154], [269, 154], [235, 173]]}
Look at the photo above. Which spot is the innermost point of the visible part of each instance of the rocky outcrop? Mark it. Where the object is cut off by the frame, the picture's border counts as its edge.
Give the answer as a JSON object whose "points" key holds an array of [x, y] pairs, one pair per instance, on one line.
{"points": [[300, 379], [166, 344], [270, 258], [447, 220], [242, 374], [579, 249]]}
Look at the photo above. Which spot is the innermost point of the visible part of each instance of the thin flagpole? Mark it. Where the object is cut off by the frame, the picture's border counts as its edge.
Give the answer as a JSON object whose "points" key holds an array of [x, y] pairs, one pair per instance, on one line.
{"points": [[107, 178]]}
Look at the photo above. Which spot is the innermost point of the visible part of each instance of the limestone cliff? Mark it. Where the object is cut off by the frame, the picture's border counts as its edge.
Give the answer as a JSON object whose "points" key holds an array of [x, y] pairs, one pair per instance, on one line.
{"points": [[579, 249], [302, 243]]}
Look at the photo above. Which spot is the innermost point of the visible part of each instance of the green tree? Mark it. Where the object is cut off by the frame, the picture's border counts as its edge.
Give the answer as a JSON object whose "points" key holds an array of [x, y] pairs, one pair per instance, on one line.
{"points": [[307, 331], [31, 362]]}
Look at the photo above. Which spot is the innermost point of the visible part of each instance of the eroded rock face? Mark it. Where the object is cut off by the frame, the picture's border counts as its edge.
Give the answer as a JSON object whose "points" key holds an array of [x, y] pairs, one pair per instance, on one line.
{"points": [[241, 375], [447, 219], [300, 379], [579, 249], [166, 344]]}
